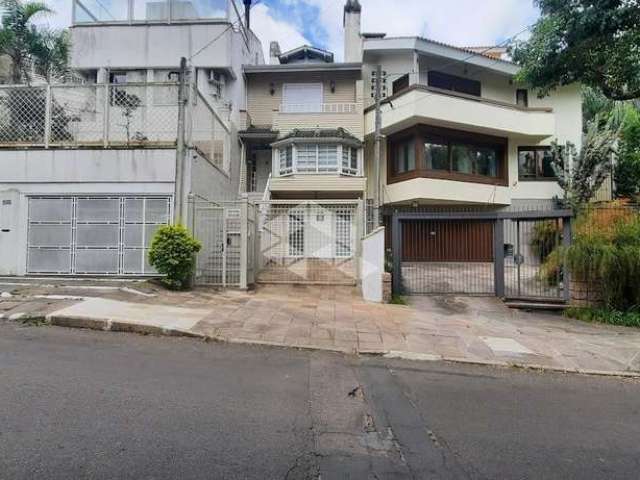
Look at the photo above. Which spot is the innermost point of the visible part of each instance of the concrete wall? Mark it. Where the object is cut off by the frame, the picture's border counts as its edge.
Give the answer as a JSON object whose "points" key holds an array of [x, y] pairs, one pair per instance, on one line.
{"points": [[372, 266]]}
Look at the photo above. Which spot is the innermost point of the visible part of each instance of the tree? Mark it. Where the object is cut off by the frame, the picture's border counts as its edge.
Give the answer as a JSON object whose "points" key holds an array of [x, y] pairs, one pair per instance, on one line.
{"points": [[50, 51], [627, 168], [18, 35], [594, 42], [580, 175]]}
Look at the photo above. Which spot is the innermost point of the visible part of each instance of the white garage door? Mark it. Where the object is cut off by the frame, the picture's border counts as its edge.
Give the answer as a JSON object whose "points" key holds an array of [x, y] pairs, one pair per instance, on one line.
{"points": [[93, 235]]}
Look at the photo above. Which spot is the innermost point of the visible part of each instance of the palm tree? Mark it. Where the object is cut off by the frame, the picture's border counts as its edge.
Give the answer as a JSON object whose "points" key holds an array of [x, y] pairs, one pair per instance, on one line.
{"points": [[18, 35], [50, 51]]}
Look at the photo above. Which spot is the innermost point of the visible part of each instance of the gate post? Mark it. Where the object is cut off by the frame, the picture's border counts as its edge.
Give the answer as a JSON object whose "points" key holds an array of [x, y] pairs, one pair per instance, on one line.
{"points": [[244, 241], [498, 257], [566, 243], [396, 248]]}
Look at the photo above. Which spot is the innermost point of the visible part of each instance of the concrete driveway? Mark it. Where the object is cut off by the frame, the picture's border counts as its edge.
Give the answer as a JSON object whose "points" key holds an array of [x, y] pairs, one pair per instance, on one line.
{"points": [[454, 328]]}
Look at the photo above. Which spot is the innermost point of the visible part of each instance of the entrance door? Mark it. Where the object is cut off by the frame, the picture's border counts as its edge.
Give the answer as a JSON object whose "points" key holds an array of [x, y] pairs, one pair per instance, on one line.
{"points": [[448, 256]]}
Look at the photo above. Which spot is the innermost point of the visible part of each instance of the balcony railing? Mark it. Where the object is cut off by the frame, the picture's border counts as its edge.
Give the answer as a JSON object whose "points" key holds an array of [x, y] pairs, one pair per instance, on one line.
{"points": [[139, 115], [319, 108]]}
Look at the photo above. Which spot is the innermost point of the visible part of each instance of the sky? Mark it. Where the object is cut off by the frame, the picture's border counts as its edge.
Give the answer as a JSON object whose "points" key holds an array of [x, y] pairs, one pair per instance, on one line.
{"points": [[319, 22]]}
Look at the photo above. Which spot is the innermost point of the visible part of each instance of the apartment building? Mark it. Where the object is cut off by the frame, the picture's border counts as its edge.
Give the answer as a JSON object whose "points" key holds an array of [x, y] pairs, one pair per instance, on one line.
{"points": [[91, 169]]}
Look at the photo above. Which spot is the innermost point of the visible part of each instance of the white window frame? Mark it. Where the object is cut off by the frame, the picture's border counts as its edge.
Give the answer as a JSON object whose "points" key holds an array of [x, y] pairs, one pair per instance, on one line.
{"points": [[283, 170], [301, 107]]}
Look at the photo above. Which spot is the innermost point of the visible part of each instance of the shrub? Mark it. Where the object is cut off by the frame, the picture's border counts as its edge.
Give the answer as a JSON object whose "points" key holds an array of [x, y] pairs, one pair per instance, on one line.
{"points": [[607, 252], [172, 254], [544, 238]]}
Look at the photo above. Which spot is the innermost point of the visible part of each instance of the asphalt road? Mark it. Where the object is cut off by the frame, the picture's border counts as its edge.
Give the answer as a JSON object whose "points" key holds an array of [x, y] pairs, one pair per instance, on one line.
{"points": [[80, 404]]}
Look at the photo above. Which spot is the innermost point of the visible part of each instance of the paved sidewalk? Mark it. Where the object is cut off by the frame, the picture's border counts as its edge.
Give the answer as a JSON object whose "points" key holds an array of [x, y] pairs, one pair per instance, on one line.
{"points": [[466, 329]]}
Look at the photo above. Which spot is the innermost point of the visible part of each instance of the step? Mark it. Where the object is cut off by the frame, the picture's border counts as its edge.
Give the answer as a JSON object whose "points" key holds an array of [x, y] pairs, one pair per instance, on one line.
{"points": [[523, 305]]}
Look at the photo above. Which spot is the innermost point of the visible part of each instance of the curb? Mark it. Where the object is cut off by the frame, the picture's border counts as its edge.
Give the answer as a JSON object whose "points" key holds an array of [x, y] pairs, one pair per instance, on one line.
{"points": [[119, 326]]}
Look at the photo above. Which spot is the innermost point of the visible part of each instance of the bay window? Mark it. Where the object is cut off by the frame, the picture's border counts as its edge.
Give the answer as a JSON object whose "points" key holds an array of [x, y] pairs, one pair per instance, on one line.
{"points": [[318, 158], [425, 151]]}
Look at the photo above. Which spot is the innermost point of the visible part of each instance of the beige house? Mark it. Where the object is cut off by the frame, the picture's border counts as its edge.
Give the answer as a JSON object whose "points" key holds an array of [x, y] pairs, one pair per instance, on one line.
{"points": [[304, 127]]}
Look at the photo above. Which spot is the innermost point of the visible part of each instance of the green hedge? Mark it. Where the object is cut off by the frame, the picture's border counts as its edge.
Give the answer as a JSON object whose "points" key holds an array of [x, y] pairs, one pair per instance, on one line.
{"points": [[172, 254]]}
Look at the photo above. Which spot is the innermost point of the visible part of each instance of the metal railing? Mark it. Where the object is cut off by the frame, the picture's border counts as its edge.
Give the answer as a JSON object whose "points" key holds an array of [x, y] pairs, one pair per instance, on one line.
{"points": [[131, 115], [319, 108]]}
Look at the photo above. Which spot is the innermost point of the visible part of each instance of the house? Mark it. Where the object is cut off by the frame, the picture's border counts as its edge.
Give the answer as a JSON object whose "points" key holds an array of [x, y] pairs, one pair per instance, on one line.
{"points": [[90, 170], [303, 141]]}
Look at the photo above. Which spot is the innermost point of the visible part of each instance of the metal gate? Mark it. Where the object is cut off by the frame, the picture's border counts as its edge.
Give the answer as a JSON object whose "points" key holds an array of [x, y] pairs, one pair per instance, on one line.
{"points": [[308, 242], [97, 235], [448, 256], [532, 258], [218, 228], [504, 253]]}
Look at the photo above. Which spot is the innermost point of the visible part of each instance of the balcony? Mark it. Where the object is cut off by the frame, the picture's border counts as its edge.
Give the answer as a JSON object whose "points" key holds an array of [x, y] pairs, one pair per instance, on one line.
{"points": [[145, 115], [319, 115], [428, 105]]}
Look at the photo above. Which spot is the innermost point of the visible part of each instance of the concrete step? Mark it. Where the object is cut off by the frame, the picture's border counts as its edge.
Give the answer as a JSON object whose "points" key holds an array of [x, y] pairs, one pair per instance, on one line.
{"points": [[524, 305]]}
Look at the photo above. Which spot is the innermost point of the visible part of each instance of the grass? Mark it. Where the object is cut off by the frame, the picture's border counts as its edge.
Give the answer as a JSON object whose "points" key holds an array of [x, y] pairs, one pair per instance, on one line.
{"points": [[630, 318], [398, 300]]}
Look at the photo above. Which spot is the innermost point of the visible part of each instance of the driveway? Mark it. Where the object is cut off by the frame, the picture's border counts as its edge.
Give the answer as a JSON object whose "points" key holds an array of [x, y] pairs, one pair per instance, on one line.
{"points": [[453, 328]]}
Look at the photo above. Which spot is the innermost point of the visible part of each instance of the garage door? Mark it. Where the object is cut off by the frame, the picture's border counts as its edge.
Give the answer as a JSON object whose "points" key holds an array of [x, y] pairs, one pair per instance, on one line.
{"points": [[93, 235], [447, 256]]}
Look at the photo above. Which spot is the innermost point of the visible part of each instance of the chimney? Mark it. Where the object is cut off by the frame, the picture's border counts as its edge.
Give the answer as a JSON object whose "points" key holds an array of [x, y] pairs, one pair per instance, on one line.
{"points": [[352, 38], [274, 53], [247, 13]]}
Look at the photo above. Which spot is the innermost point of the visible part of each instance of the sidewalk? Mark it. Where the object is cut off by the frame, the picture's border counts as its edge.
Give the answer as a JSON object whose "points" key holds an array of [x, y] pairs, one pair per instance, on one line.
{"points": [[463, 329]]}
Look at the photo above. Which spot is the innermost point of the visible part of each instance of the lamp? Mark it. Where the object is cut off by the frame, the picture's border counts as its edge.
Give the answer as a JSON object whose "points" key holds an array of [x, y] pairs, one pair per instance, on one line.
{"points": [[272, 88], [332, 86]]}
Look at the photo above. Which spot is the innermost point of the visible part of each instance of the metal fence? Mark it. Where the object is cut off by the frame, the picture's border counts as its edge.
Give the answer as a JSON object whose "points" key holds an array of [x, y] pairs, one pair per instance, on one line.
{"points": [[512, 254], [131, 115], [308, 242]]}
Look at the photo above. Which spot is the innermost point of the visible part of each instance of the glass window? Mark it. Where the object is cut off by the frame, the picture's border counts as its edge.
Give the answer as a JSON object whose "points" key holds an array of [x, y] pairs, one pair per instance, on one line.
{"points": [[462, 157], [535, 162], [306, 157], [436, 155], [286, 160], [327, 158], [405, 156], [350, 160], [486, 162]]}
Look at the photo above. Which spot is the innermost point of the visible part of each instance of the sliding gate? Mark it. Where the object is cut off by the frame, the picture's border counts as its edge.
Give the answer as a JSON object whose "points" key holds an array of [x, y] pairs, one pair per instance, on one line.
{"points": [[507, 254]]}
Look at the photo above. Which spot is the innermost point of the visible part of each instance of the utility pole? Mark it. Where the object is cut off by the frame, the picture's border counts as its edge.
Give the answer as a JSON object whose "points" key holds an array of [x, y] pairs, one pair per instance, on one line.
{"points": [[377, 197], [179, 207]]}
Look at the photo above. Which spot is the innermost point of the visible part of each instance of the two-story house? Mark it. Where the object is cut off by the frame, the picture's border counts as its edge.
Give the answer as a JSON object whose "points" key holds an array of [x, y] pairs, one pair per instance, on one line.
{"points": [[88, 171]]}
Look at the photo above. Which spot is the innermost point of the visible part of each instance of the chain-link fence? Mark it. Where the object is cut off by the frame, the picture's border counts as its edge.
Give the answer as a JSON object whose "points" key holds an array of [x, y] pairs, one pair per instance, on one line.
{"points": [[113, 115]]}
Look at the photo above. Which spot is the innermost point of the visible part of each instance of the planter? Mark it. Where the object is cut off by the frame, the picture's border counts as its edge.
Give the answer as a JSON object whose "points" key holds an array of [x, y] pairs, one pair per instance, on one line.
{"points": [[586, 293]]}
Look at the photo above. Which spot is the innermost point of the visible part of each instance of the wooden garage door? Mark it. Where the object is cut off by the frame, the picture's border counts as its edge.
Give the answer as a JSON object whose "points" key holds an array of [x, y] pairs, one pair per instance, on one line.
{"points": [[447, 241]]}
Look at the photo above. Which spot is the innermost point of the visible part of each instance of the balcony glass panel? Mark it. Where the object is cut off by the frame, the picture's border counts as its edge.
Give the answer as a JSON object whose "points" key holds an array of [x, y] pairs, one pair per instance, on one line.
{"points": [[151, 10], [198, 9], [97, 11]]}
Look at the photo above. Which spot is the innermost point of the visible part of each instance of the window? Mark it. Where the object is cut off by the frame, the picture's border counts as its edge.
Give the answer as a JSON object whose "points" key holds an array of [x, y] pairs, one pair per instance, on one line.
{"points": [[400, 84], [349, 160], [302, 97], [535, 163], [318, 158], [454, 83], [405, 156], [286, 160], [436, 153], [522, 97], [448, 154]]}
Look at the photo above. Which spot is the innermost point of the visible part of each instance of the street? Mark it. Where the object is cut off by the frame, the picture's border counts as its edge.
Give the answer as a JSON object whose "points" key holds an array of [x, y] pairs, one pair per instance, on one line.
{"points": [[78, 404]]}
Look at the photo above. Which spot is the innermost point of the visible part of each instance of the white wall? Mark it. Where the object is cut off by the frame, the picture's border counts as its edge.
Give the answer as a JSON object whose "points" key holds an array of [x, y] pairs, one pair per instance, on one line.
{"points": [[372, 265]]}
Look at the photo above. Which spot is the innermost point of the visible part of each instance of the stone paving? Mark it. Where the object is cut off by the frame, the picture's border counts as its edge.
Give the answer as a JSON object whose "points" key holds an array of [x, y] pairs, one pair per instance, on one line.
{"points": [[466, 329]]}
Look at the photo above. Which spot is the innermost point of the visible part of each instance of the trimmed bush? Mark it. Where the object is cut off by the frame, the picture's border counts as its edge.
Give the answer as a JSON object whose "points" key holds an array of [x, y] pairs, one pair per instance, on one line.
{"points": [[172, 254]]}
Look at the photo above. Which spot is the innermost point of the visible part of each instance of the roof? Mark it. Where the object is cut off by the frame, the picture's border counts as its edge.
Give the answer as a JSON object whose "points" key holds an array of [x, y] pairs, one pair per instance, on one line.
{"points": [[471, 55], [303, 67], [320, 133], [305, 52]]}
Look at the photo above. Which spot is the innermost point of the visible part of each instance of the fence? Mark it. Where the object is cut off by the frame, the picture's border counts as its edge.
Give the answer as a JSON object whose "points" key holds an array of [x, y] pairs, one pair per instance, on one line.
{"points": [[308, 242], [505, 253], [131, 115]]}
